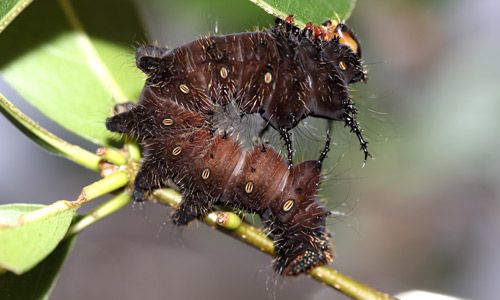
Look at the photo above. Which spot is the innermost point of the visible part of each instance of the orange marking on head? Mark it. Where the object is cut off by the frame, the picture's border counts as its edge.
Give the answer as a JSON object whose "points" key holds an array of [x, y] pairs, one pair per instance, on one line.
{"points": [[346, 39]]}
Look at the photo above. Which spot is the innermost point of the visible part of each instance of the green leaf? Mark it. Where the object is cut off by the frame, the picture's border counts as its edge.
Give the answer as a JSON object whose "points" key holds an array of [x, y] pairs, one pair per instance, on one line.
{"points": [[10, 213], [38, 283], [304, 11], [10, 9], [46, 139], [74, 61], [30, 232]]}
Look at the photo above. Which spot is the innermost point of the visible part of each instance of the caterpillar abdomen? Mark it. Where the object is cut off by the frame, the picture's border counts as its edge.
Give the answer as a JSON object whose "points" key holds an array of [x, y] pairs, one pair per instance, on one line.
{"points": [[210, 168]]}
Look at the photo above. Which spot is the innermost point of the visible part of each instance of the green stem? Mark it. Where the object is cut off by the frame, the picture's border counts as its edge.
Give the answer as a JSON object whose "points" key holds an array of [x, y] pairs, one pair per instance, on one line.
{"points": [[46, 139], [347, 285], [112, 156], [231, 224], [168, 196], [134, 153], [107, 184], [99, 212]]}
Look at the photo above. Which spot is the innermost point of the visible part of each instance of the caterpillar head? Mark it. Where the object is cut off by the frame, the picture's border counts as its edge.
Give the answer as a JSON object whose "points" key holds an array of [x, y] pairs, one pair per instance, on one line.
{"points": [[344, 50], [301, 237], [348, 38]]}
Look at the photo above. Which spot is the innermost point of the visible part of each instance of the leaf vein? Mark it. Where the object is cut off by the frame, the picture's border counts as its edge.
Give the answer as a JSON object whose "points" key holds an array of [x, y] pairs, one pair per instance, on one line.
{"points": [[93, 58]]}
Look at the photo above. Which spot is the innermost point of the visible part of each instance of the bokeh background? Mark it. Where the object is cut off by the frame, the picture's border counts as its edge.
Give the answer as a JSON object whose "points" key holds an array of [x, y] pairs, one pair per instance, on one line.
{"points": [[425, 214]]}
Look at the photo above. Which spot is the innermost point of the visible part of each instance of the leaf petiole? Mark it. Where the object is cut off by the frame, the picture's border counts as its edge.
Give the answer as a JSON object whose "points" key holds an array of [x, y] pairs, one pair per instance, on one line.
{"points": [[99, 212], [101, 187]]}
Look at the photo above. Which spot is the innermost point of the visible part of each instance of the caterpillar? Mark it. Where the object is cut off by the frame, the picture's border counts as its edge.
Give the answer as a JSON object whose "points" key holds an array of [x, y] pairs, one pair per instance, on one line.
{"points": [[284, 74], [210, 168]]}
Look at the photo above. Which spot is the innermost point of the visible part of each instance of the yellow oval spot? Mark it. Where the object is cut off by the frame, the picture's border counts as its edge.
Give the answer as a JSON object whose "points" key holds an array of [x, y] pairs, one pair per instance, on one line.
{"points": [[268, 77], [249, 187], [176, 151], [223, 72], [205, 174], [342, 66], [288, 205], [168, 122], [184, 88]]}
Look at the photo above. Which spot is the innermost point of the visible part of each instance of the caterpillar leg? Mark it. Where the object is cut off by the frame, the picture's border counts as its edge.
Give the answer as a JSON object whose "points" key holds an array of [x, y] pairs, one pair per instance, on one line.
{"points": [[287, 138], [354, 126], [191, 208], [144, 182], [326, 149], [149, 177]]}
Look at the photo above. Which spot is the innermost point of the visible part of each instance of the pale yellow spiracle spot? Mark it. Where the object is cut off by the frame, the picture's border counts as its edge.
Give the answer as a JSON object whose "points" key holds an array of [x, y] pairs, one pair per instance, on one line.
{"points": [[205, 174], [342, 66], [168, 122], [176, 151], [224, 72], [268, 78], [288, 205], [184, 88], [249, 187]]}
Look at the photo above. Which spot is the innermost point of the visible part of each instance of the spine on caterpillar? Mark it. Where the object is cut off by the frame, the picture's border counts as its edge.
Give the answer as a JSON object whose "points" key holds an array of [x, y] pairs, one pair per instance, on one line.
{"points": [[208, 168]]}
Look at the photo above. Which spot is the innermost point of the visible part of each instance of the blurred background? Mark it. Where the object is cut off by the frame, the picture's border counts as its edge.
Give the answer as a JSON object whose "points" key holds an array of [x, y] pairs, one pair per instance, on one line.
{"points": [[425, 214]]}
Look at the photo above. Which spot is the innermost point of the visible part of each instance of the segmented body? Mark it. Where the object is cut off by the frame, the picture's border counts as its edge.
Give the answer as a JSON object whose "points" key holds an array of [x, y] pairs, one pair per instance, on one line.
{"points": [[210, 169]]}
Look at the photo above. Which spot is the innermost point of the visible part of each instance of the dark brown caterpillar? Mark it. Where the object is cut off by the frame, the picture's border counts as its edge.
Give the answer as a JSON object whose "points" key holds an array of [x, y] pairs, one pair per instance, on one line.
{"points": [[209, 169], [284, 74]]}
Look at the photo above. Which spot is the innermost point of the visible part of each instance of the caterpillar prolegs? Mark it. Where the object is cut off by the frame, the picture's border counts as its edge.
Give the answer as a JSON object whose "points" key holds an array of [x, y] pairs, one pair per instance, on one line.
{"points": [[210, 169], [284, 74]]}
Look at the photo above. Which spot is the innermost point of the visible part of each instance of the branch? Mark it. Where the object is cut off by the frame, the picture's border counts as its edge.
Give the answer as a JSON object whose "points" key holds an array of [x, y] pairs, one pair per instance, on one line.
{"points": [[231, 224], [101, 211]]}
